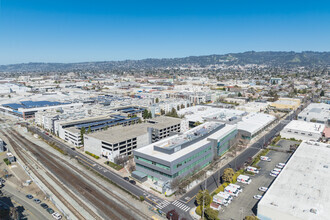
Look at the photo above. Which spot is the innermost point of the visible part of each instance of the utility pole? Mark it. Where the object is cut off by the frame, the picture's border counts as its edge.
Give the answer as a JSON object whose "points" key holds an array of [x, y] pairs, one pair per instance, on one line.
{"points": [[204, 196]]}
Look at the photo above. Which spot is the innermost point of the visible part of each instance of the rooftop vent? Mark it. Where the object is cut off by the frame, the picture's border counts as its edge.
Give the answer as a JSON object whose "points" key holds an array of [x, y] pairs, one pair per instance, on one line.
{"points": [[314, 211], [325, 166]]}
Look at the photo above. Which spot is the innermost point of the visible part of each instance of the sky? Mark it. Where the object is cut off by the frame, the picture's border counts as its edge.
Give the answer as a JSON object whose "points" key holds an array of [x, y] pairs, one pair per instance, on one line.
{"points": [[99, 30]]}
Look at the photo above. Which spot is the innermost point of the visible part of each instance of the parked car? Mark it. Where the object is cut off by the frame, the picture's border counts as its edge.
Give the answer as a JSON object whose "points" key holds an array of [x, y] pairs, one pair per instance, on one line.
{"points": [[2, 180], [126, 178], [280, 165], [258, 197], [264, 158], [29, 196], [252, 169], [263, 189], [50, 210], [37, 200], [56, 215], [133, 182], [273, 174], [44, 205]]}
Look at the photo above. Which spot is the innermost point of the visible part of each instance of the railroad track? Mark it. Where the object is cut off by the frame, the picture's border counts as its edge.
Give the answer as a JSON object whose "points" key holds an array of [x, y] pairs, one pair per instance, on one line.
{"points": [[111, 208], [42, 179]]}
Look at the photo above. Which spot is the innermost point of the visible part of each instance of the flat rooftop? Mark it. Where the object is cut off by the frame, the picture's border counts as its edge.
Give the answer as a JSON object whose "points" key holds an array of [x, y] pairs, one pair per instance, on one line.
{"points": [[120, 133], [319, 111], [163, 121], [303, 184], [254, 122], [305, 126], [150, 151]]}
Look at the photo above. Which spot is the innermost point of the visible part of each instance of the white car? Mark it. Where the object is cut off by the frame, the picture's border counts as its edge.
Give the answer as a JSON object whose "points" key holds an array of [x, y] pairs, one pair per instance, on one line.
{"points": [[263, 189], [280, 165], [264, 158], [57, 216], [258, 197], [273, 174]]}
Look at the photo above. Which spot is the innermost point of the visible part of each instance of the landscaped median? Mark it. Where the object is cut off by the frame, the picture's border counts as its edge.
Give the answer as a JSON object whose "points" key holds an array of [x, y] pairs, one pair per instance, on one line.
{"points": [[93, 155], [113, 165]]}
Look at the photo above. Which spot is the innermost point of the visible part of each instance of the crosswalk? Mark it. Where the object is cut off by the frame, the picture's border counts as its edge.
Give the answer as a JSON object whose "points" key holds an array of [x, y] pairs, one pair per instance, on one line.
{"points": [[163, 204], [180, 205]]}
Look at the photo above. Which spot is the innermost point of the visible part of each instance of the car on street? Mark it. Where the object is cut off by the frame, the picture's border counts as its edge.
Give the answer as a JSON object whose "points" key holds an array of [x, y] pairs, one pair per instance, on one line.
{"points": [[2, 180], [273, 174], [37, 200], [72, 148], [50, 210], [126, 178], [264, 158], [258, 197], [29, 196], [44, 205], [133, 182], [263, 189], [56, 215]]}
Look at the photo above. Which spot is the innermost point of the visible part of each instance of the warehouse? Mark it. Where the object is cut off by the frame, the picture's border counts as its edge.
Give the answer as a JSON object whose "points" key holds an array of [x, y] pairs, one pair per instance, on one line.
{"points": [[27, 109], [301, 191], [303, 130], [316, 112], [181, 154], [254, 123], [286, 104]]}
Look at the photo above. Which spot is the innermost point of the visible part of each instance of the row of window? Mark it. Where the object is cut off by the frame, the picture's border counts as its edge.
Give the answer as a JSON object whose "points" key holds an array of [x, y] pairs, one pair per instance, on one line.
{"points": [[192, 157], [302, 133], [152, 162], [153, 170], [192, 165]]}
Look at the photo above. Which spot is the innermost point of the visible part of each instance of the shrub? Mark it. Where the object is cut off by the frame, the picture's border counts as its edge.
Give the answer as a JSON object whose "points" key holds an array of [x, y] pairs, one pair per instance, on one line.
{"points": [[199, 210], [7, 161], [113, 165], [227, 175], [211, 214], [141, 198], [93, 155]]}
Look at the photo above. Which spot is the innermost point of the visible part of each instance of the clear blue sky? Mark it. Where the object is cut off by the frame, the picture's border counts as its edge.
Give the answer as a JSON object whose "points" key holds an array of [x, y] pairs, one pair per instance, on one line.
{"points": [[98, 30]]}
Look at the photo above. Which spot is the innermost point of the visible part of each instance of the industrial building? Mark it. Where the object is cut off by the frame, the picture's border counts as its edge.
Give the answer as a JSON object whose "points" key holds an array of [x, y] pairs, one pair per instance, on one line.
{"points": [[122, 140], [254, 123], [286, 104], [179, 155], [27, 109], [316, 112], [303, 130], [301, 190]]}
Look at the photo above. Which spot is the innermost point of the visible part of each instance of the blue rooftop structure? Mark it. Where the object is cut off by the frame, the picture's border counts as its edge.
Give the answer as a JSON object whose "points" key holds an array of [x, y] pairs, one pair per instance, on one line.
{"points": [[32, 104]]}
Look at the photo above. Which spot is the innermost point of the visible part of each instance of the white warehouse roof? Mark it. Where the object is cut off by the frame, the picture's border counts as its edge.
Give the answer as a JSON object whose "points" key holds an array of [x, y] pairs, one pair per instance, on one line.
{"points": [[305, 126], [302, 190], [255, 122]]}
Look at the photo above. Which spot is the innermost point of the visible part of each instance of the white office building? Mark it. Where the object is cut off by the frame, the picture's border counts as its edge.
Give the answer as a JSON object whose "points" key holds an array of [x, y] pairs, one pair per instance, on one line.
{"points": [[303, 130], [301, 191]]}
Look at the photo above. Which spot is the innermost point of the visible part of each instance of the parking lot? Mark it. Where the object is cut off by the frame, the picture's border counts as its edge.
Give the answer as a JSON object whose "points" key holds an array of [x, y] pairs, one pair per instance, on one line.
{"points": [[245, 204]]}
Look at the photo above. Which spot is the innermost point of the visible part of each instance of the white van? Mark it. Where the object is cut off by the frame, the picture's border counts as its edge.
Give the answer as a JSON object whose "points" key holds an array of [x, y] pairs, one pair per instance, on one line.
{"points": [[232, 191], [277, 169], [252, 169], [225, 195], [237, 187], [244, 179], [220, 200]]}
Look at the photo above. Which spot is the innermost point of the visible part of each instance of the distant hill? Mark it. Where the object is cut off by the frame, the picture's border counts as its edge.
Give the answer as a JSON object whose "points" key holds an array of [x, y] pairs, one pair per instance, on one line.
{"points": [[276, 59]]}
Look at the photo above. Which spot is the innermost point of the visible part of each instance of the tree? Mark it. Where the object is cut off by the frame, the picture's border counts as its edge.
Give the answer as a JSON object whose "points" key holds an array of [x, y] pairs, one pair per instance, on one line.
{"points": [[178, 107], [172, 215], [182, 106], [13, 213], [322, 93], [149, 115], [203, 195], [89, 130], [239, 94], [175, 183], [251, 218], [82, 132], [211, 214], [162, 112], [197, 123], [157, 100], [145, 114], [228, 175]]}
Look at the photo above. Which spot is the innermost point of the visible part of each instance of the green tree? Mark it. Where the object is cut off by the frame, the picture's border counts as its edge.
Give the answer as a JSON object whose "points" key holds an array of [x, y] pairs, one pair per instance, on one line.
{"points": [[182, 106], [157, 100], [322, 93], [149, 115], [82, 132], [145, 114], [228, 175], [197, 123], [162, 112], [89, 130], [251, 218], [211, 214], [203, 195], [239, 94]]}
